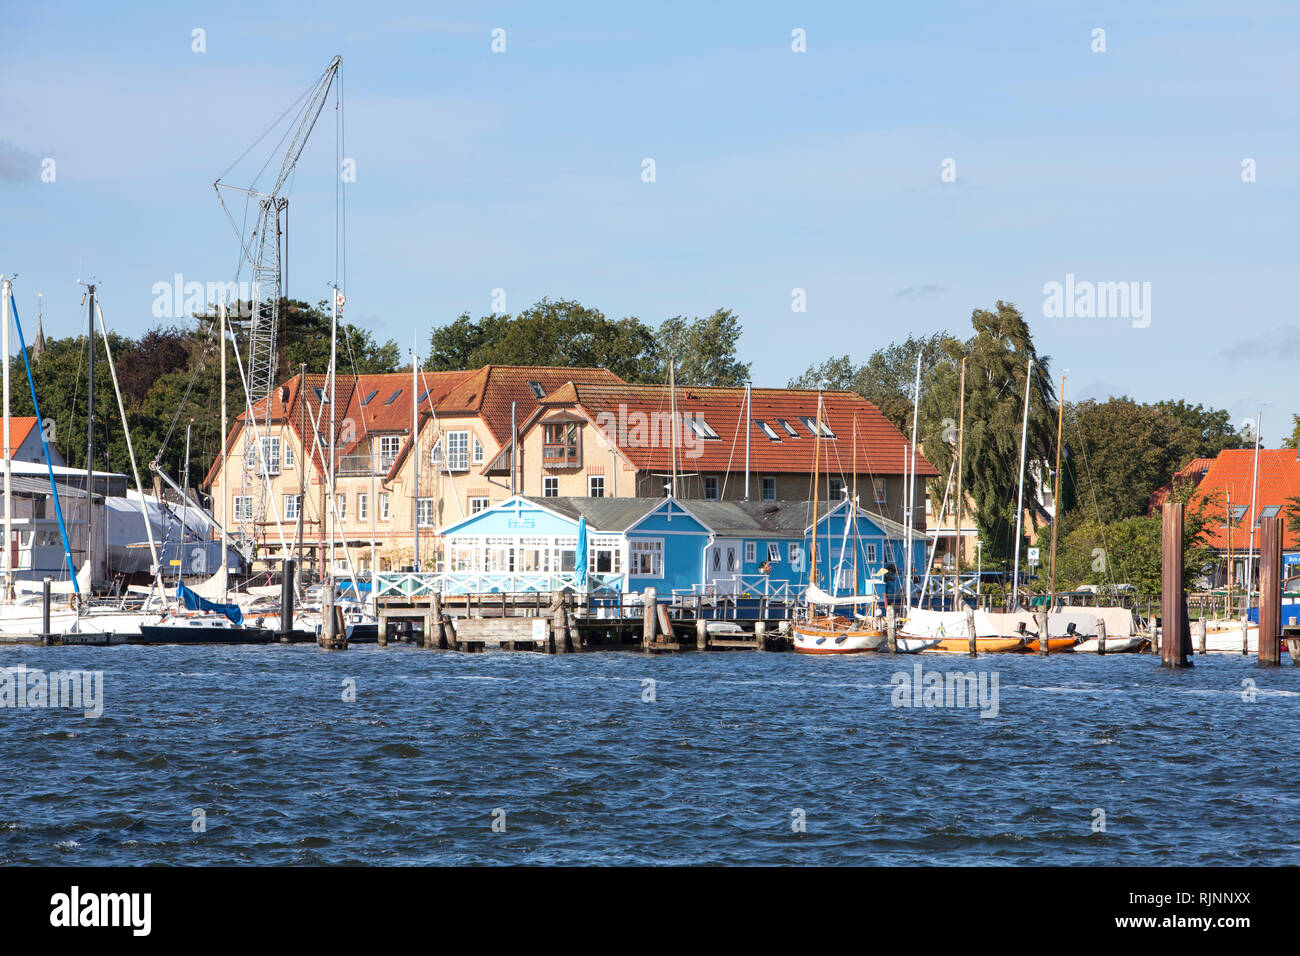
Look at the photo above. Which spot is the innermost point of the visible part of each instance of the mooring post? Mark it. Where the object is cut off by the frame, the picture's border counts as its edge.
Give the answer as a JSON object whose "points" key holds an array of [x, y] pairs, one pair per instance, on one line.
{"points": [[891, 629], [286, 598], [439, 625], [1201, 629], [1269, 650], [46, 637], [1175, 643], [1101, 636], [648, 617], [571, 619], [970, 632], [760, 635], [1043, 642], [701, 634]]}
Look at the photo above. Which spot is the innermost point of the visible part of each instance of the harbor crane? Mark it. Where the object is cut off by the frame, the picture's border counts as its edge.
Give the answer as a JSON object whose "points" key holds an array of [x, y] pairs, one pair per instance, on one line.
{"points": [[263, 250]]}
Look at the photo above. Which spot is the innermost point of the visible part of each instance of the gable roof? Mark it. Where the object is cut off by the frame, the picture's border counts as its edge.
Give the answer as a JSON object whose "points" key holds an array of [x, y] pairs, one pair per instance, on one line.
{"points": [[490, 391], [1232, 472], [20, 427], [637, 419], [380, 403]]}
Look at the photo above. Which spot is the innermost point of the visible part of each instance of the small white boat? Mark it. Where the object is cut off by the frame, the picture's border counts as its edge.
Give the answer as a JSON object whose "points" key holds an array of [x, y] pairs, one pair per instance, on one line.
{"points": [[914, 645], [1122, 644]]}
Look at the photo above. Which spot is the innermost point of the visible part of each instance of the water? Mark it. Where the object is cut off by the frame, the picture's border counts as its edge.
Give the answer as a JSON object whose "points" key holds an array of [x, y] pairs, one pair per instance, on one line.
{"points": [[716, 770]]}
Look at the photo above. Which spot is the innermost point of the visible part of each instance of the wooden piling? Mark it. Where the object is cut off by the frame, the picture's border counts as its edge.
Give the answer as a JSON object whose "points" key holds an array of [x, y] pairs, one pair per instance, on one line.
{"points": [[701, 634], [1101, 636], [1043, 642], [648, 614], [970, 632], [439, 624], [287, 577], [760, 635], [571, 624], [46, 637], [1270, 592], [1175, 643], [1201, 629]]}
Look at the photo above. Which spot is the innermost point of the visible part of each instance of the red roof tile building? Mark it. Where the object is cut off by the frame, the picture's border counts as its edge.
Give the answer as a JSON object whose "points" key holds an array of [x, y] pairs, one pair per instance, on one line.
{"points": [[619, 440], [375, 482], [1228, 483]]}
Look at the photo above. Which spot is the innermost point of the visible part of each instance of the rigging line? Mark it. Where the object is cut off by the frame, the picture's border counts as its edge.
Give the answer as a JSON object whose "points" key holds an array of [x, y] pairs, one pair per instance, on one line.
{"points": [[722, 495], [292, 106], [1092, 487]]}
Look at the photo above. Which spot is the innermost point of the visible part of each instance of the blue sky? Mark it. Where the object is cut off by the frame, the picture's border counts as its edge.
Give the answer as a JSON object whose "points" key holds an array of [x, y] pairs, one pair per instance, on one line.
{"points": [[775, 170]]}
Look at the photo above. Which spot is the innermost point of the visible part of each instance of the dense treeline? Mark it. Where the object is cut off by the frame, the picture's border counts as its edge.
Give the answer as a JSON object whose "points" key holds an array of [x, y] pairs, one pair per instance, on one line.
{"points": [[1115, 452]]}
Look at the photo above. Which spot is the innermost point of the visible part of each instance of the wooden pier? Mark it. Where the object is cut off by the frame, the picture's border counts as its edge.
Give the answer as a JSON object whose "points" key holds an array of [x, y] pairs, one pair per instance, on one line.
{"points": [[563, 623]]}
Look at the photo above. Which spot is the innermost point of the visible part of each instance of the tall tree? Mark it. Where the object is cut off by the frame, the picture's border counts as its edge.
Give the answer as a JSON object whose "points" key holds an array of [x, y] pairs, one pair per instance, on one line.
{"points": [[997, 358], [565, 332], [703, 350]]}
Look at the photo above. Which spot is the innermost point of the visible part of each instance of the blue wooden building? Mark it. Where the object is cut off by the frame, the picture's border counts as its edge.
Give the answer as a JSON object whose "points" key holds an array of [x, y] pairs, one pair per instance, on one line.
{"points": [[680, 548]]}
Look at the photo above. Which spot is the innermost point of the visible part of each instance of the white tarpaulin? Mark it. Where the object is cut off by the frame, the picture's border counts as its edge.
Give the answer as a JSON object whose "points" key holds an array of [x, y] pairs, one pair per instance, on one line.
{"points": [[815, 595], [128, 543], [923, 623], [1119, 622]]}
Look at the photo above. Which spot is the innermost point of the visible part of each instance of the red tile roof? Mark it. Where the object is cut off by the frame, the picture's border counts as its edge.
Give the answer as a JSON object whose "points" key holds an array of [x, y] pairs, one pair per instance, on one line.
{"points": [[1233, 472], [881, 448], [20, 426], [1191, 473]]}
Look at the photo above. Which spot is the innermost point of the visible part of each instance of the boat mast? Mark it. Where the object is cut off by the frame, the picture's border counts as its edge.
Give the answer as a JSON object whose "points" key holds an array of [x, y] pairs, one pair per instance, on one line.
{"points": [[853, 507], [672, 395], [909, 474], [5, 292], [415, 452], [817, 448], [1250, 548], [334, 394], [961, 441], [1056, 488], [304, 473], [1014, 601], [749, 411], [185, 500], [221, 315], [1229, 526], [90, 439]]}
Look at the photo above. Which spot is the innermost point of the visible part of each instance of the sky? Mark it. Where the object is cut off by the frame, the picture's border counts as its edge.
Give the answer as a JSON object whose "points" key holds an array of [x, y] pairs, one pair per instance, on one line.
{"points": [[912, 163]]}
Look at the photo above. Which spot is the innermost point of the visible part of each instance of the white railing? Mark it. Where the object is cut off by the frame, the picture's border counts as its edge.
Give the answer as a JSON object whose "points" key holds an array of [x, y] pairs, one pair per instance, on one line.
{"points": [[425, 583], [745, 586]]}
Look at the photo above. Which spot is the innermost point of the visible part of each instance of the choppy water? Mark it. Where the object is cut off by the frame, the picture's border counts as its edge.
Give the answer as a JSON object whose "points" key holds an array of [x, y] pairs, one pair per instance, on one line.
{"points": [[715, 770]]}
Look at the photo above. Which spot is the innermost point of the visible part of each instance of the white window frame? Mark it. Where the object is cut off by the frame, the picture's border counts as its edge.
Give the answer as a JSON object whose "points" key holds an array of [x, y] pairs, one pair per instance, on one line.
{"points": [[591, 486], [764, 485], [270, 452], [244, 513], [478, 451], [390, 446], [872, 552], [363, 506], [751, 552], [479, 503], [291, 506], [384, 504], [424, 512], [550, 481], [342, 501], [457, 450], [794, 551], [773, 552], [639, 548]]}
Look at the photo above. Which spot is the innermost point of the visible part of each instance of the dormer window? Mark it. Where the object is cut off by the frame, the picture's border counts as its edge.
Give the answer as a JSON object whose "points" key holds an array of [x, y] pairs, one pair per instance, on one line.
{"points": [[561, 445]]}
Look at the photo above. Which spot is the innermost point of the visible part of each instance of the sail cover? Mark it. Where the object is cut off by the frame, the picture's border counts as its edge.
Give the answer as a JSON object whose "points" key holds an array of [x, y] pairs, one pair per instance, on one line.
{"points": [[194, 602], [815, 595]]}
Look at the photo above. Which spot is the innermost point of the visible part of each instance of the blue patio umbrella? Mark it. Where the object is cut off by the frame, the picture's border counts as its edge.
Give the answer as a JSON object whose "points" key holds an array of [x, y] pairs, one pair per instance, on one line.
{"points": [[580, 556]]}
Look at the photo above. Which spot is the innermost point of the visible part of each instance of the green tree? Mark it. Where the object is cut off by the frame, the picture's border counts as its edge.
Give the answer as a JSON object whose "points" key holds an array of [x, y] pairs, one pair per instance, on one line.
{"points": [[565, 332], [997, 358], [1124, 451], [703, 350]]}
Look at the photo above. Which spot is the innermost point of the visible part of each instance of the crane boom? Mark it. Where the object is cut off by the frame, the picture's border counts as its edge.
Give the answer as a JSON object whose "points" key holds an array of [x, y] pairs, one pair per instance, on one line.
{"points": [[263, 250]]}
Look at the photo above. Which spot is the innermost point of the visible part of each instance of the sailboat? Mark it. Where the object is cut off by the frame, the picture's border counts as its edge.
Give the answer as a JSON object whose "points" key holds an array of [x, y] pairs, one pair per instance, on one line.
{"points": [[831, 633]]}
